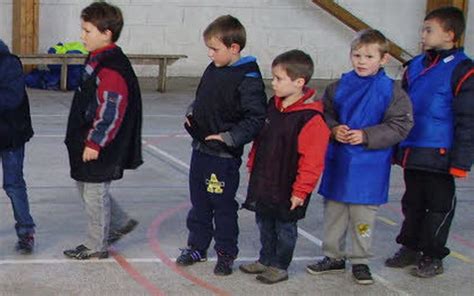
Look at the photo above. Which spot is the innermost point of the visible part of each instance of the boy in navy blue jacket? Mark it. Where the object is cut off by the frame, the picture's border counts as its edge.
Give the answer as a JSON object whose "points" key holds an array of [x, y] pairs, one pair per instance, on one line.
{"points": [[15, 131], [440, 147], [228, 112]]}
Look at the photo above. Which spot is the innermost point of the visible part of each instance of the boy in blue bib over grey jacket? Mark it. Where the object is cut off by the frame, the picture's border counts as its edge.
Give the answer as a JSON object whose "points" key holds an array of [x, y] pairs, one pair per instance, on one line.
{"points": [[367, 113]]}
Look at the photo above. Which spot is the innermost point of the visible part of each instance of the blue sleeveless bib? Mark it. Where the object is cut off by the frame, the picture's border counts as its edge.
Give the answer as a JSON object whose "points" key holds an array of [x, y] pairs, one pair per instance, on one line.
{"points": [[354, 174]]}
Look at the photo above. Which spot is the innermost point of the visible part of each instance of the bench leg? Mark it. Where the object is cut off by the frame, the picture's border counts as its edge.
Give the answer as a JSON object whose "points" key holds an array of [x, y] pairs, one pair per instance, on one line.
{"points": [[162, 75], [63, 85]]}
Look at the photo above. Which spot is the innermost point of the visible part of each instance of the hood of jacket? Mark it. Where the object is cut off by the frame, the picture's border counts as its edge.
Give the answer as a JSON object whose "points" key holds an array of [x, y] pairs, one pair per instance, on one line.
{"points": [[306, 102]]}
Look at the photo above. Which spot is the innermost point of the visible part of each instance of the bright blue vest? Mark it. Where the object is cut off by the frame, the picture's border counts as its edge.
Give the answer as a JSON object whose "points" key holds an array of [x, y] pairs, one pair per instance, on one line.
{"points": [[432, 96], [354, 174]]}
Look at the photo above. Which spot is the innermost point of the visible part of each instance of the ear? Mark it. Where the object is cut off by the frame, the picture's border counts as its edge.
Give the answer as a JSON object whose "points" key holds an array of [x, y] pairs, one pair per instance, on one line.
{"points": [[385, 59], [450, 36], [235, 48], [299, 82], [108, 34]]}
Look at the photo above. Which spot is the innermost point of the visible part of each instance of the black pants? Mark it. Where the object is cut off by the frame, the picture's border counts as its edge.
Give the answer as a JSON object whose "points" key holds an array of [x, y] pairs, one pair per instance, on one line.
{"points": [[428, 206], [213, 183]]}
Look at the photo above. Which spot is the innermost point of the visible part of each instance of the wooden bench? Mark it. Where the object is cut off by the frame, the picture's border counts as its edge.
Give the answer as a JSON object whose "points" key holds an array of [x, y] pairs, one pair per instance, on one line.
{"points": [[162, 60]]}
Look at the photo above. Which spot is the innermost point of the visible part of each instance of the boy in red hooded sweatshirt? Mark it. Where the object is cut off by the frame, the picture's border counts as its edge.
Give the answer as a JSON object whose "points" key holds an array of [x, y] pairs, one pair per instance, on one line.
{"points": [[285, 162]]}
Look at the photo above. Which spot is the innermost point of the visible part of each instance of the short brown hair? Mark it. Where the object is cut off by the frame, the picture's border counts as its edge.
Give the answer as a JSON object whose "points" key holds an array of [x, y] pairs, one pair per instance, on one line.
{"points": [[296, 63], [227, 29], [370, 36], [105, 17], [450, 18]]}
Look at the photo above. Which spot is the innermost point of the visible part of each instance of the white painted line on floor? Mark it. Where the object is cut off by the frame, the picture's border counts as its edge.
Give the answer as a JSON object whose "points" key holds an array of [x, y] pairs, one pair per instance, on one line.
{"points": [[304, 233], [130, 260]]}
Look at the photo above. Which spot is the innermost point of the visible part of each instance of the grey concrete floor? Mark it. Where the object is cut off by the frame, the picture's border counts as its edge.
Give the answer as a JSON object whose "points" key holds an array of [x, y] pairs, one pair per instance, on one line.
{"points": [[157, 195]]}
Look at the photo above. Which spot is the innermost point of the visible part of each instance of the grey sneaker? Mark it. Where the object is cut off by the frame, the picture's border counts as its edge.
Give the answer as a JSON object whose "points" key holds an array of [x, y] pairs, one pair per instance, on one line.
{"points": [[253, 268], [327, 265], [403, 257], [428, 267], [272, 275], [362, 275]]}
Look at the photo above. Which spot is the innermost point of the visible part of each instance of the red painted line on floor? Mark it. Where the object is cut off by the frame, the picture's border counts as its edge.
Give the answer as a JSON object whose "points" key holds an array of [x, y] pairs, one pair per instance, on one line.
{"points": [[454, 236], [155, 246], [135, 274]]}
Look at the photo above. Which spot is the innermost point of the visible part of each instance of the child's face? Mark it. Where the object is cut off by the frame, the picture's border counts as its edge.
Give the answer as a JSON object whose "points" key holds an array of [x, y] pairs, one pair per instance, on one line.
{"points": [[367, 59], [433, 36], [282, 84], [220, 54], [92, 38]]}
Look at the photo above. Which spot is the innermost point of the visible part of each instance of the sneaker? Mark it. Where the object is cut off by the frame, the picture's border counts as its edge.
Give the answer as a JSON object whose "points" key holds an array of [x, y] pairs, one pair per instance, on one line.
{"points": [[362, 275], [403, 257], [253, 268], [25, 244], [327, 265], [224, 264], [272, 275], [428, 267], [118, 234], [190, 256], [82, 252]]}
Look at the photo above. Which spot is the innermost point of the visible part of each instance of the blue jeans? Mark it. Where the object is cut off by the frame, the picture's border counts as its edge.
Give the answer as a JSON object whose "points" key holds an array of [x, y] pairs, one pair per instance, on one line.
{"points": [[15, 188], [278, 239]]}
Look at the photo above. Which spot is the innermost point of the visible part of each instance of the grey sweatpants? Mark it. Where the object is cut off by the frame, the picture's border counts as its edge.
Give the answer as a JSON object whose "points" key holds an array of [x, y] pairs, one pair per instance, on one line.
{"points": [[103, 212], [359, 220]]}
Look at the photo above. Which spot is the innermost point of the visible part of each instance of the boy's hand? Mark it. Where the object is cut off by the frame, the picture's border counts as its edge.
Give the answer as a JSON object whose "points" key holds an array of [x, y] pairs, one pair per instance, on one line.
{"points": [[89, 154], [340, 133], [214, 137], [296, 202], [355, 137]]}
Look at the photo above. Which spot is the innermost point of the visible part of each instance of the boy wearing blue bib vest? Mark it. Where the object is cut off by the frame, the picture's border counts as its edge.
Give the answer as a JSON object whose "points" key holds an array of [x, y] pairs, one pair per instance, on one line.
{"points": [[227, 113], [440, 146], [367, 113]]}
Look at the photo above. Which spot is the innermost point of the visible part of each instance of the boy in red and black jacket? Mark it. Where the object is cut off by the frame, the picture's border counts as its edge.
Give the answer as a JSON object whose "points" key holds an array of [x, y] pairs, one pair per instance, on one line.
{"points": [[440, 146], [285, 163], [103, 135]]}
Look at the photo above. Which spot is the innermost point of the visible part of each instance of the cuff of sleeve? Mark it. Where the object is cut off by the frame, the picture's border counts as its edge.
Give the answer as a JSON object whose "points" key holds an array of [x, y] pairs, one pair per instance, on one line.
{"points": [[458, 172], [227, 139], [93, 145], [299, 194]]}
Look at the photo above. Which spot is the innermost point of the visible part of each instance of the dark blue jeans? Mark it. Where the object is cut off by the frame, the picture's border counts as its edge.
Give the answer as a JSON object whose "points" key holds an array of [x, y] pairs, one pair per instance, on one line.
{"points": [[213, 183], [15, 188], [278, 239]]}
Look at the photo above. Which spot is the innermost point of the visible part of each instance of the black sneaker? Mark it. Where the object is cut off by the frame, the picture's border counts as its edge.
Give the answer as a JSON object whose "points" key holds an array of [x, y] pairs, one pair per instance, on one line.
{"points": [[118, 234], [190, 256], [82, 252], [327, 265], [25, 244], [362, 275], [224, 264], [428, 267], [403, 257]]}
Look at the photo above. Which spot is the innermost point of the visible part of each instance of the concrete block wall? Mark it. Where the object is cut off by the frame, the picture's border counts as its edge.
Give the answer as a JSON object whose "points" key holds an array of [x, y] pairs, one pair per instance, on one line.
{"points": [[273, 26]]}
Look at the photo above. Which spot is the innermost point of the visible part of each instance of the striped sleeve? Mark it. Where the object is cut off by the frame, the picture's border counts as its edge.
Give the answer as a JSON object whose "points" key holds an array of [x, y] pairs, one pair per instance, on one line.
{"points": [[112, 100]]}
